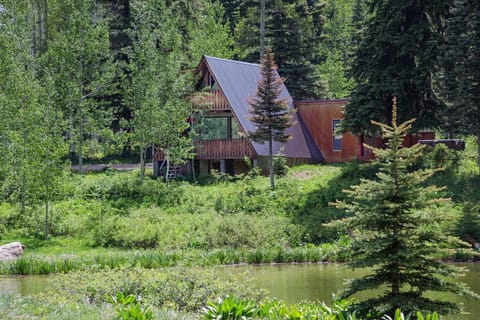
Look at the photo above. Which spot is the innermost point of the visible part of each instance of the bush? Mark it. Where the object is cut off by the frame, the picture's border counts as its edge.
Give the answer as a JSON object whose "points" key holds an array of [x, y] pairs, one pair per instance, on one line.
{"points": [[129, 308], [184, 289], [154, 228], [441, 156]]}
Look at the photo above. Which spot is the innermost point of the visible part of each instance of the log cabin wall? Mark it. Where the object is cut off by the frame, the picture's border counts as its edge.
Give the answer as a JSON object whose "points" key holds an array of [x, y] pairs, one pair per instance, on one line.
{"points": [[320, 117]]}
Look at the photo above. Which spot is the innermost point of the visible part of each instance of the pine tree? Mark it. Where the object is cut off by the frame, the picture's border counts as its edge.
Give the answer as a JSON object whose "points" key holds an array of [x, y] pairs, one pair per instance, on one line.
{"points": [[270, 114], [401, 43], [336, 48], [396, 225], [293, 30], [462, 70]]}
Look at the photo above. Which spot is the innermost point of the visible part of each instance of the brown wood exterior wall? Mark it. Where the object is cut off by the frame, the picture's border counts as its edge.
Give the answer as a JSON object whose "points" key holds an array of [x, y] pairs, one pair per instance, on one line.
{"points": [[221, 149], [318, 116]]}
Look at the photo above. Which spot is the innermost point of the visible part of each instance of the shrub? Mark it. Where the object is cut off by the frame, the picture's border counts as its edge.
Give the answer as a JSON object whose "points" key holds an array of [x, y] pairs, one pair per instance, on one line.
{"points": [[441, 156], [230, 308], [129, 308], [154, 228], [184, 289]]}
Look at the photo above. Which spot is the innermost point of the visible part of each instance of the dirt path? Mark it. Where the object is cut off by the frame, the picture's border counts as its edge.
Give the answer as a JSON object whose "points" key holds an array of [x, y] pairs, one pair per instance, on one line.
{"points": [[103, 166]]}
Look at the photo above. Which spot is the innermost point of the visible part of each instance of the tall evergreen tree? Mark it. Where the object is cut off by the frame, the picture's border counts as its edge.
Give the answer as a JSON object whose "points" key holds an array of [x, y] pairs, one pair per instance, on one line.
{"points": [[396, 224], [270, 114], [336, 48], [293, 29], [462, 70], [397, 56]]}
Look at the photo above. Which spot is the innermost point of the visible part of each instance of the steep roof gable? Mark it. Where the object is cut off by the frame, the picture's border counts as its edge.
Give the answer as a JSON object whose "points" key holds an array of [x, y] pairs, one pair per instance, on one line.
{"points": [[238, 81]]}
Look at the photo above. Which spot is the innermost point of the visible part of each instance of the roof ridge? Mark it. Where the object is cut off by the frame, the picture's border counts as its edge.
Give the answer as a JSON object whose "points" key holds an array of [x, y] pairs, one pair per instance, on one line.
{"points": [[234, 61]]}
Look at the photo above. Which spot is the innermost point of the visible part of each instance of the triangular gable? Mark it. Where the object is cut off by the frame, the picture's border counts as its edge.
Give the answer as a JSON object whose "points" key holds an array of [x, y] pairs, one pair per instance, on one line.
{"points": [[238, 82]]}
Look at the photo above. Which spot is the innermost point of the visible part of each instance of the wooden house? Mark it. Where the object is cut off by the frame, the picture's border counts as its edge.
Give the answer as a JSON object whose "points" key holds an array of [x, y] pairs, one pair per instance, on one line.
{"points": [[322, 118], [221, 116], [224, 88]]}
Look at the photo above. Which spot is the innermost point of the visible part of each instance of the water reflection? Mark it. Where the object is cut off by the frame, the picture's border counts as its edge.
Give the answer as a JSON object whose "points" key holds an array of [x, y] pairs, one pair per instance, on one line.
{"points": [[23, 285], [293, 283]]}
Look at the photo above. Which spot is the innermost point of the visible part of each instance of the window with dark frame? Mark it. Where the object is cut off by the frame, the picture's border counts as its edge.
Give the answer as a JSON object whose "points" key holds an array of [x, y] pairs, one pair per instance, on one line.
{"points": [[336, 136]]}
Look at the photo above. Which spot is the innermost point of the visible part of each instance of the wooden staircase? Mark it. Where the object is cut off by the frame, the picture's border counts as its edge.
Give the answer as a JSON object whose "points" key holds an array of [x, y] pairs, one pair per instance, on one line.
{"points": [[174, 170]]}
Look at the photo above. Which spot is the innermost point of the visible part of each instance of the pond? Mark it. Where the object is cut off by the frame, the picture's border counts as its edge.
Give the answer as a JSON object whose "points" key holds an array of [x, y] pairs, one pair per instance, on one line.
{"points": [[291, 283]]}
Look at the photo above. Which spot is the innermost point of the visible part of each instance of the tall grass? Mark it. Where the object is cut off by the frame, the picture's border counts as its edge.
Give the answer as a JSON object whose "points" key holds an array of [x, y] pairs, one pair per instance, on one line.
{"points": [[38, 264]]}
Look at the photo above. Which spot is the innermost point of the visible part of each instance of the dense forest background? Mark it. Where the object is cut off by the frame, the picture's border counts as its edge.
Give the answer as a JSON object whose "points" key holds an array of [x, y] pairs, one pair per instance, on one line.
{"points": [[103, 80]]}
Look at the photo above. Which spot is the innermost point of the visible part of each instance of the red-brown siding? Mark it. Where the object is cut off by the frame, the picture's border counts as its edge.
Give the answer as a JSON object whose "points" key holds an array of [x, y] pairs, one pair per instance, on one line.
{"points": [[318, 116]]}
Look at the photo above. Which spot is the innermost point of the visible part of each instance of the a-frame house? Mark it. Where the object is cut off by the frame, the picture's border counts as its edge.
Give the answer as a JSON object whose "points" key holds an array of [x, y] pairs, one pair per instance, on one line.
{"points": [[224, 87]]}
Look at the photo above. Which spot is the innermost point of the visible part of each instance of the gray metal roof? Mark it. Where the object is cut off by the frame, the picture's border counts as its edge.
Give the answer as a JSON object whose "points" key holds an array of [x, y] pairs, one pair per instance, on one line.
{"points": [[238, 81]]}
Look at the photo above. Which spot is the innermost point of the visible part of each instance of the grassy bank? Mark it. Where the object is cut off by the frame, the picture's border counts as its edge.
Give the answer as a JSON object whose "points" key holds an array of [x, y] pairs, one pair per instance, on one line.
{"points": [[41, 264], [111, 219]]}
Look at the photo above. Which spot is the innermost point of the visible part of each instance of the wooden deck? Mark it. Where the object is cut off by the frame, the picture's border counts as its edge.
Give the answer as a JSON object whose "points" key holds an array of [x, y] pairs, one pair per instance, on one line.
{"points": [[211, 101], [219, 149]]}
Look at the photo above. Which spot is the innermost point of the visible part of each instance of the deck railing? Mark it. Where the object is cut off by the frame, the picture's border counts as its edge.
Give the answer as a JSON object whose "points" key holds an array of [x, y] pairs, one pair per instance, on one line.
{"points": [[213, 101], [219, 149]]}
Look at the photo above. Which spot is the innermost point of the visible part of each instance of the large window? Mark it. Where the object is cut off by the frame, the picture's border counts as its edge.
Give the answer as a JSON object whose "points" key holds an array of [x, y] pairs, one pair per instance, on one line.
{"points": [[219, 128], [337, 136]]}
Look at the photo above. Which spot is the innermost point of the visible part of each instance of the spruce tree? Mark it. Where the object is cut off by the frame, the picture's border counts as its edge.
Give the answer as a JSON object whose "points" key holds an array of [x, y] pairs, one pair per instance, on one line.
{"points": [[397, 56], [396, 226], [462, 70], [270, 114], [293, 30]]}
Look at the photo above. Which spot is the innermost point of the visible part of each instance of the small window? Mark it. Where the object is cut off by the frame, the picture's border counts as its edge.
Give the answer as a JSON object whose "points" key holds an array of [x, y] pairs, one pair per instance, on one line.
{"points": [[213, 84], [337, 136]]}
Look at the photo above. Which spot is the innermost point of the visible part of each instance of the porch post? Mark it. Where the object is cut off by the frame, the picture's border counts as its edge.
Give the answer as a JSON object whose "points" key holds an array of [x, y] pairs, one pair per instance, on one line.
{"points": [[223, 166]]}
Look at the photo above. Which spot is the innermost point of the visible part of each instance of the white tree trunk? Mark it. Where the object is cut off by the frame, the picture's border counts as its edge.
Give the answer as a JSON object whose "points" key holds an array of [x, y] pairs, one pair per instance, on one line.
{"points": [[270, 164]]}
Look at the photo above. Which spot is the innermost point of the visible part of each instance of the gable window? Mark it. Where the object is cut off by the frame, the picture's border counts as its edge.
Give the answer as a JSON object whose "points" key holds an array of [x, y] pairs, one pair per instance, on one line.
{"points": [[336, 136], [213, 84]]}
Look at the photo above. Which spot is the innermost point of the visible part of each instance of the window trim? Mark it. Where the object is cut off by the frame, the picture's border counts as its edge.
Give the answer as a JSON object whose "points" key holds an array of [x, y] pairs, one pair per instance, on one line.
{"points": [[336, 139]]}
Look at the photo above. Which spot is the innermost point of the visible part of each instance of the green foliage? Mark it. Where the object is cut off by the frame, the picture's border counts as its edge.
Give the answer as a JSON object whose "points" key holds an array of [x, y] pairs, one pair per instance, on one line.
{"points": [[396, 226], [336, 48], [294, 31], [154, 84], [460, 76], [468, 226], [280, 164], [183, 289], [157, 229], [270, 113], [441, 157], [398, 52], [230, 308], [79, 62], [210, 35], [52, 263], [129, 308]]}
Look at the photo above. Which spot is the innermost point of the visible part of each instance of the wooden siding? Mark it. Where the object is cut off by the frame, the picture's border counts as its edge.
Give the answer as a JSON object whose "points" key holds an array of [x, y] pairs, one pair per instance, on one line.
{"points": [[213, 100], [223, 149], [318, 116]]}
